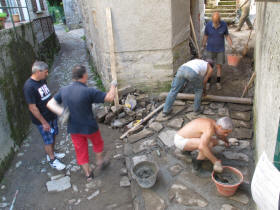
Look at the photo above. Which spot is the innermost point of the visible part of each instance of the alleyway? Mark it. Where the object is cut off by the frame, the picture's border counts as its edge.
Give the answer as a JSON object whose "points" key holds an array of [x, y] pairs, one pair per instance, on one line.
{"points": [[29, 171]]}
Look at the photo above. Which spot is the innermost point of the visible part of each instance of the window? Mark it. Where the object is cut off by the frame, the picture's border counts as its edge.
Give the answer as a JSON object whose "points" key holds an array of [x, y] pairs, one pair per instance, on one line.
{"points": [[38, 5], [277, 149]]}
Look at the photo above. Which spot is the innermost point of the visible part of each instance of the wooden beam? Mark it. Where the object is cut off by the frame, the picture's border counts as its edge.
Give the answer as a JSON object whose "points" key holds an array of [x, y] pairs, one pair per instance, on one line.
{"points": [[112, 51], [194, 37], [249, 84], [227, 99]]}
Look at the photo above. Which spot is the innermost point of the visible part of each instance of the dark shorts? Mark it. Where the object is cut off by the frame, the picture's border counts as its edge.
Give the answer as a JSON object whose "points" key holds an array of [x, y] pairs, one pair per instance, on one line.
{"points": [[48, 137], [218, 58]]}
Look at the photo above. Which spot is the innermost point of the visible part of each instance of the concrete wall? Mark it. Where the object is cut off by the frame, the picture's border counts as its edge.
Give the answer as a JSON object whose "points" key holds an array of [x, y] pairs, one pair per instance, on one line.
{"points": [[267, 65], [72, 14], [151, 39], [197, 13], [17, 54]]}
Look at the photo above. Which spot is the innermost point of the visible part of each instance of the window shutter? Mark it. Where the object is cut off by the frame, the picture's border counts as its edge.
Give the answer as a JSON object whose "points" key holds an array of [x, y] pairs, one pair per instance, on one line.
{"points": [[42, 5], [34, 5]]}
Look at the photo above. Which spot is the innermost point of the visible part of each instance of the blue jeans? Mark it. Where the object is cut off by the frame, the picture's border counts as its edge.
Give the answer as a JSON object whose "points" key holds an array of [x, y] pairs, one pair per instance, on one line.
{"points": [[184, 74]]}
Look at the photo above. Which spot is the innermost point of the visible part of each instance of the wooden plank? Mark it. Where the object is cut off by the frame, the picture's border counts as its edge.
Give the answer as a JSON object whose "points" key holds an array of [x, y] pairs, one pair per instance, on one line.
{"points": [[112, 51], [249, 84], [142, 121], [227, 99], [195, 39]]}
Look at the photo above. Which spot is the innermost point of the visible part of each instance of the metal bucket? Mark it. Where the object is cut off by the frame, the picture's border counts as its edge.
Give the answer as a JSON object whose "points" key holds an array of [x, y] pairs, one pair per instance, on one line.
{"points": [[145, 173]]}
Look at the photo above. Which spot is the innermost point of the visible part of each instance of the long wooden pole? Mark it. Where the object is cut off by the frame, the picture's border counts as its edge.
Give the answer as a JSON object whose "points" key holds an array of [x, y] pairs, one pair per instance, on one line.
{"points": [[112, 51], [184, 96], [194, 37], [249, 84], [142, 121]]}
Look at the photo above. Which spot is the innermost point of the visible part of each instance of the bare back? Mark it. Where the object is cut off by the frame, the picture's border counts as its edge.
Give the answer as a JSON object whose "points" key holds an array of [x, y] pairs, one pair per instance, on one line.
{"points": [[197, 127]]}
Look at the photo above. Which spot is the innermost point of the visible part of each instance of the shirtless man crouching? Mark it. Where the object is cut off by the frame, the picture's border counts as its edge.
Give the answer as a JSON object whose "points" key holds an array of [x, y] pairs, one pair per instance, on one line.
{"points": [[199, 134]]}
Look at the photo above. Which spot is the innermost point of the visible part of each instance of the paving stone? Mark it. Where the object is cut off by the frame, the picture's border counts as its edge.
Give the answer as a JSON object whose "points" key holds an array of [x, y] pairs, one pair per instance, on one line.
{"points": [[228, 207], [95, 184], [75, 188], [236, 156], [101, 114], [142, 134], [153, 201], [138, 159], [156, 126], [246, 116], [59, 184], [143, 145], [175, 169], [238, 107], [125, 182], [167, 137], [183, 195], [223, 111], [242, 133], [216, 105], [209, 111], [176, 123], [179, 155], [93, 195], [128, 150], [240, 197], [241, 124]]}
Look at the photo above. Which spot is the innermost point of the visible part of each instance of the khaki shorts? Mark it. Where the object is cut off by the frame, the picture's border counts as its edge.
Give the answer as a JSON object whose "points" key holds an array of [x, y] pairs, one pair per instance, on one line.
{"points": [[218, 58]]}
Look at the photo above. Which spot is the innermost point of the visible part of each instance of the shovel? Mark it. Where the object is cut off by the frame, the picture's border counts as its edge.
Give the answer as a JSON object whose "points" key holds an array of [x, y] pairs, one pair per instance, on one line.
{"points": [[245, 49]]}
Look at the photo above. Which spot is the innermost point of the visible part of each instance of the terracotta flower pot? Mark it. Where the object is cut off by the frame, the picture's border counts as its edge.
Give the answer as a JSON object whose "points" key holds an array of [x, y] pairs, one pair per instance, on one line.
{"points": [[233, 60], [227, 189]]}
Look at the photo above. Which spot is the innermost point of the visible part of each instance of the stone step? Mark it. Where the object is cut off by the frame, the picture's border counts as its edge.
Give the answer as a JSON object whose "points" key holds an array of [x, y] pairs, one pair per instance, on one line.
{"points": [[222, 15], [228, 20], [220, 10], [232, 3], [221, 7]]}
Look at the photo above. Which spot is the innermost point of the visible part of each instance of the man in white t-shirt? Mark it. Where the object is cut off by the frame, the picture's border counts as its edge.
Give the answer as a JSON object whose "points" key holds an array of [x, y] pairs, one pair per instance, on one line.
{"points": [[244, 5], [196, 72]]}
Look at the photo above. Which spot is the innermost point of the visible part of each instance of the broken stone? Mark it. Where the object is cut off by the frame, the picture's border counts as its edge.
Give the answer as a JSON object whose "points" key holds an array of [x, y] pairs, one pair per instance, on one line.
{"points": [[216, 105], [233, 141], [176, 123], [179, 155], [179, 103], [208, 112], [167, 137], [223, 111], [153, 201], [240, 197], [118, 123], [78, 202], [75, 168], [228, 207], [96, 183], [236, 156], [75, 188], [109, 117], [125, 90], [127, 150], [144, 145], [96, 193], [125, 182], [18, 164], [116, 109], [142, 134], [59, 184], [121, 115], [100, 115], [241, 108], [246, 116], [70, 202], [123, 171], [243, 145], [142, 97], [43, 170], [138, 159], [118, 156], [242, 124], [57, 177], [183, 195], [242, 133], [175, 169], [156, 126]]}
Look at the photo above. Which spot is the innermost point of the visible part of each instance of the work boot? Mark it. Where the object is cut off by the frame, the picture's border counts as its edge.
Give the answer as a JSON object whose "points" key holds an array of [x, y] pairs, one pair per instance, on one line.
{"points": [[219, 86], [165, 114]]}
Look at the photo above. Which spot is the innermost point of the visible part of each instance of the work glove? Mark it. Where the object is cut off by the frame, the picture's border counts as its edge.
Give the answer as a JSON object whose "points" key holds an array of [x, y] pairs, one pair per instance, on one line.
{"points": [[218, 166], [114, 83]]}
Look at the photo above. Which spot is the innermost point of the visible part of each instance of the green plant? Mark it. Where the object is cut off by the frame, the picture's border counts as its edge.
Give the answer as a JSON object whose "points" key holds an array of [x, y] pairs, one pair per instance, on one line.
{"points": [[3, 15], [83, 37]]}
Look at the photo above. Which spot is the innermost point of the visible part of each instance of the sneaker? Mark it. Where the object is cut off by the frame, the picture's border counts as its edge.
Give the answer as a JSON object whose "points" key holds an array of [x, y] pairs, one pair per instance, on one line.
{"points": [[207, 86], [57, 164], [56, 155], [219, 86]]}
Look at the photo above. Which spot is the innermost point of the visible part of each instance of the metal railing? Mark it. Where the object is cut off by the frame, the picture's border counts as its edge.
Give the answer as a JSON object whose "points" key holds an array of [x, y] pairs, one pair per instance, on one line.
{"points": [[43, 28]]}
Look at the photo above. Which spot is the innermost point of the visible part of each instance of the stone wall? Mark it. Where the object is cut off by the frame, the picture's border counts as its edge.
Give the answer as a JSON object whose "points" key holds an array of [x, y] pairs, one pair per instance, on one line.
{"points": [[72, 14], [267, 65], [151, 39], [17, 54]]}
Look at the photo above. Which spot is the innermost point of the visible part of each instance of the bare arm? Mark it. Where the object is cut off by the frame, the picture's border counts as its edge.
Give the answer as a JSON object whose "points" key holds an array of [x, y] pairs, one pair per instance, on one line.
{"points": [[208, 75], [228, 38], [36, 113], [55, 107], [224, 139], [111, 94], [205, 38], [204, 145]]}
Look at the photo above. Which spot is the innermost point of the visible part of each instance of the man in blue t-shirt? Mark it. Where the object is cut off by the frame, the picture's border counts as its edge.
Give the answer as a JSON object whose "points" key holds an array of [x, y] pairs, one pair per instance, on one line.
{"points": [[215, 33], [78, 99], [37, 95]]}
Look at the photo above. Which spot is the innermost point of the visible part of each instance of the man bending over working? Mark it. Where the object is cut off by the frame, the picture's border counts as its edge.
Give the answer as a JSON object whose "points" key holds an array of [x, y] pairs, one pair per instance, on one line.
{"points": [[198, 134]]}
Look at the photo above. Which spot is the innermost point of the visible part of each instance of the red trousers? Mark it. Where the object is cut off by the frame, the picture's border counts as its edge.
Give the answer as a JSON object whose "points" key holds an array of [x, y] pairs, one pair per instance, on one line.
{"points": [[81, 145]]}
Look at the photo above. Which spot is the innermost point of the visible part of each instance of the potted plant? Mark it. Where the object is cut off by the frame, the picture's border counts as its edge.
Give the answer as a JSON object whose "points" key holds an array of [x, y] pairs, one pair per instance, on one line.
{"points": [[3, 17]]}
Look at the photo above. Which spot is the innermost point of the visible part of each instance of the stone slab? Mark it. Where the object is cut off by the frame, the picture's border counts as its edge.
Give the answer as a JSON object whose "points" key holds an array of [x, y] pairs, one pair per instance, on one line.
{"points": [[175, 169], [156, 126], [124, 182], [236, 156], [238, 107], [240, 197], [138, 159], [223, 112], [241, 124], [179, 155], [143, 145], [245, 116], [228, 207], [176, 123], [59, 184], [152, 200], [142, 134], [167, 137], [242, 133], [216, 105]]}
